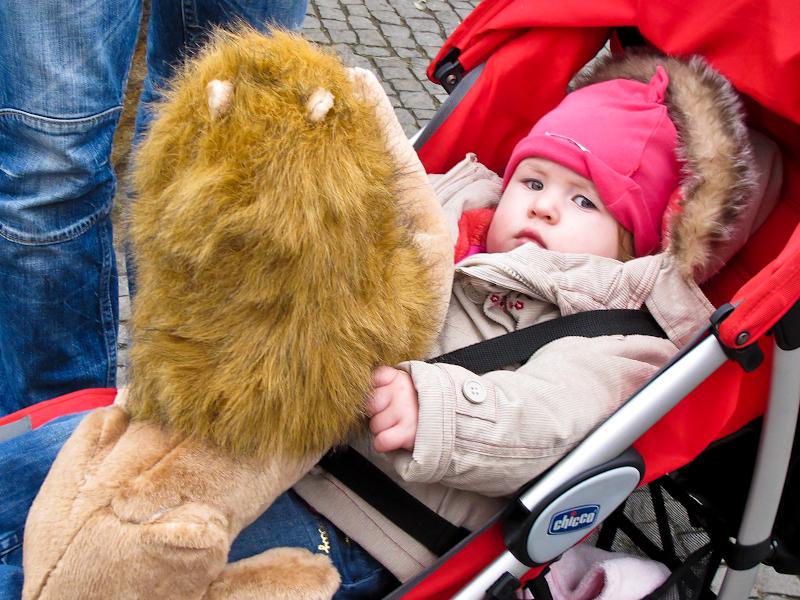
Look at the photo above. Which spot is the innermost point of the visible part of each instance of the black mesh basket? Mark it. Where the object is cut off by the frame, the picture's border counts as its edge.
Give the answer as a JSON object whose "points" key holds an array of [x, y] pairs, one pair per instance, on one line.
{"points": [[664, 523]]}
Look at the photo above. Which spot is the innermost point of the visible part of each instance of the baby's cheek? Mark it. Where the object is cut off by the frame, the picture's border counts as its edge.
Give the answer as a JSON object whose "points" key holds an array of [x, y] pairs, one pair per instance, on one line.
{"points": [[495, 236]]}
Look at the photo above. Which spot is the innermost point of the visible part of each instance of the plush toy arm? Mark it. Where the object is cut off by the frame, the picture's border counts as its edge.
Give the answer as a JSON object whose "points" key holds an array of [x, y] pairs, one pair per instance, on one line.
{"points": [[126, 505], [288, 574], [416, 197]]}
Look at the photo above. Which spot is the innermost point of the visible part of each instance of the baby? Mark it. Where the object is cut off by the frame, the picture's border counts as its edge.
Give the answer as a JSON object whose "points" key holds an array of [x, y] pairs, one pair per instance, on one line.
{"points": [[618, 198], [593, 177]]}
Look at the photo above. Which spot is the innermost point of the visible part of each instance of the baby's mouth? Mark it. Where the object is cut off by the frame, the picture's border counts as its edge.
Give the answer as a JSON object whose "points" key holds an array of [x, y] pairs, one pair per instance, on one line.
{"points": [[529, 235]]}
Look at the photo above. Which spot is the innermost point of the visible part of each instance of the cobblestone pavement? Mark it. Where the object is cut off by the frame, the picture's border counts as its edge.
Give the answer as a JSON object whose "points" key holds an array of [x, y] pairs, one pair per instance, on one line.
{"points": [[397, 40]]}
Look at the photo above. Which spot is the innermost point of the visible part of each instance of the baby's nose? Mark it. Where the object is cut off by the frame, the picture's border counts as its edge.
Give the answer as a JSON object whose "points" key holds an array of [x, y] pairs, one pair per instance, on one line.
{"points": [[544, 206]]}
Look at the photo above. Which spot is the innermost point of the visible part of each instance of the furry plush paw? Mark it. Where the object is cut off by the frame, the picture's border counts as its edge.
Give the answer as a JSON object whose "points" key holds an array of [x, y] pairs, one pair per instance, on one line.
{"points": [[279, 574], [192, 526]]}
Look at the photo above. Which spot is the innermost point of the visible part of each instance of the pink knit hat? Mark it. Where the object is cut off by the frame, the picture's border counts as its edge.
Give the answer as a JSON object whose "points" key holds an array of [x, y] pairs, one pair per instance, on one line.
{"points": [[617, 134]]}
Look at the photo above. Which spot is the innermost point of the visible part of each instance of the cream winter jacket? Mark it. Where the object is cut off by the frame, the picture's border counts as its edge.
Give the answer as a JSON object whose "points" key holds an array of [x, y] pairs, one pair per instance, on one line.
{"points": [[481, 437]]}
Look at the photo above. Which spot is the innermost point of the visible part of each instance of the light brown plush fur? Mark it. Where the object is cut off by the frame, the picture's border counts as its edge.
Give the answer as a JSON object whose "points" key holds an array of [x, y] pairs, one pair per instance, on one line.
{"points": [[719, 176], [283, 251], [275, 266]]}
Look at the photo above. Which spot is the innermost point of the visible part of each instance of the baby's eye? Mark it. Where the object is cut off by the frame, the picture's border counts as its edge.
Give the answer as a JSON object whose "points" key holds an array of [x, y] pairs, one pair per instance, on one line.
{"points": [[583, 202], [534, 184]]}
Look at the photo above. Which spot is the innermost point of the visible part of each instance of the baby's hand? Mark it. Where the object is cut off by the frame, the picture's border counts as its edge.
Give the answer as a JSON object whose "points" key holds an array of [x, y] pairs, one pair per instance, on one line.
{"points": [[393, 409]]}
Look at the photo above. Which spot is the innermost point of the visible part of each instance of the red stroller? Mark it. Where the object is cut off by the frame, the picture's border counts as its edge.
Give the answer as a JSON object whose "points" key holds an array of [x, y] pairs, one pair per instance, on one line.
{"points": [[513, 59]]}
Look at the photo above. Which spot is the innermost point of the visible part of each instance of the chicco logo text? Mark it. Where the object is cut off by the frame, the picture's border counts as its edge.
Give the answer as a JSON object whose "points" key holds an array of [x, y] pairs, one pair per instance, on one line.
{"points": [[573, 519]]}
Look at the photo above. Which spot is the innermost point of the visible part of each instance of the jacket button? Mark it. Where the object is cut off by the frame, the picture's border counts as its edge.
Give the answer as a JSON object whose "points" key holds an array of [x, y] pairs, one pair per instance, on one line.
{"points": [[474, 294], [474, 391]]}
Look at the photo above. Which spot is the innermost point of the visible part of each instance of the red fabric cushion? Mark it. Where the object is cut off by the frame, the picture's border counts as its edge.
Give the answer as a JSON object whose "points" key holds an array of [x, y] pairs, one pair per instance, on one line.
{"points": [[74, 402]]}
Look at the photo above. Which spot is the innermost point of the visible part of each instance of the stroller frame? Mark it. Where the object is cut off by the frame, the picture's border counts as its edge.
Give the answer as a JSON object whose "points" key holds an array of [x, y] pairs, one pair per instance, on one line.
{"points": [[613, 437]]}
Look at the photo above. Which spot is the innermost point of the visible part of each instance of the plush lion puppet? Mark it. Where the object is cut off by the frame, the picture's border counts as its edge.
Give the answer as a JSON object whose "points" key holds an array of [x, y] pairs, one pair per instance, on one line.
{"points": [[287, 242]]}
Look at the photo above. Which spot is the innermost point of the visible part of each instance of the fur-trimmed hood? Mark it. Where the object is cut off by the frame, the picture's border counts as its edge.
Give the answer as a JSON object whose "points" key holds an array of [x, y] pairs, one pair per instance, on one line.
{"points": [[719, 176]]}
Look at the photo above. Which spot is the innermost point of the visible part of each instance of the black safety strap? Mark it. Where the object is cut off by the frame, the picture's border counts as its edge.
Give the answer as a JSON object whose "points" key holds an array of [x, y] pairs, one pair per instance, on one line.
{"points": [[420, 522], [375, 487], [518, 346]]}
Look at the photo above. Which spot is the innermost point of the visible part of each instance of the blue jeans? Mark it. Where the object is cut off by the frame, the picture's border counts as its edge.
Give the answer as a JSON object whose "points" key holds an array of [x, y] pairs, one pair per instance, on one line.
{"points": [[63, 70], [26, 459]]}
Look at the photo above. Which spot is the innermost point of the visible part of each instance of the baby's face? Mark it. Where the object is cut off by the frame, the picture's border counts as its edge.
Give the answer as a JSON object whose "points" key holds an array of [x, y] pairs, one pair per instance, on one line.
{"points": [[555, 208]]}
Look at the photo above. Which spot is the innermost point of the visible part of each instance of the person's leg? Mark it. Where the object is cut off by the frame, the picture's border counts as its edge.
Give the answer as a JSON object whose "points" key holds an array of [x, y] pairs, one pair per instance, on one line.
{"points": [[290, 522], [64, 66], [24, 462], [178, 27]]}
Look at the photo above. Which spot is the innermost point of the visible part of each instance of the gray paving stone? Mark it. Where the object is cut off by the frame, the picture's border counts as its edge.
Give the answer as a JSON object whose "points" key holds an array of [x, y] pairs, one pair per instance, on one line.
{"points": [[330, 12], [394, 72], [411, 85], [416, 100], [394, 31], [402, 42], [771, 582], [448, 20], [370, 37], [442, 11], [360, 23], [374, 5], [334, 25], [426, 24], [407, 9], [124, 308], [342, 36], [419, 64], [407, 52], [375, 51], [318, 36], [387, 16], [311, 22], [438, 6], [426, 38], [357, 10], [363, 62], [407, 120], [431, 51], [122, 283]]}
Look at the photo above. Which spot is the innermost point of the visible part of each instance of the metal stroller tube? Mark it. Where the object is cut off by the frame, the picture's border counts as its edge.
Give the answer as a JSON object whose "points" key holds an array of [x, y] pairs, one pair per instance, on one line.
{"points": [[772, 460], [634, 418], [611, 439]]}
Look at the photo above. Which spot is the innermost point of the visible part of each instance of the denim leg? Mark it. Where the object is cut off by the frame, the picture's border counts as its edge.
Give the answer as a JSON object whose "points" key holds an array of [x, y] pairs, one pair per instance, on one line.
{"points": [[290, 522], [178, 27], [24, 463], [64, 67]]}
